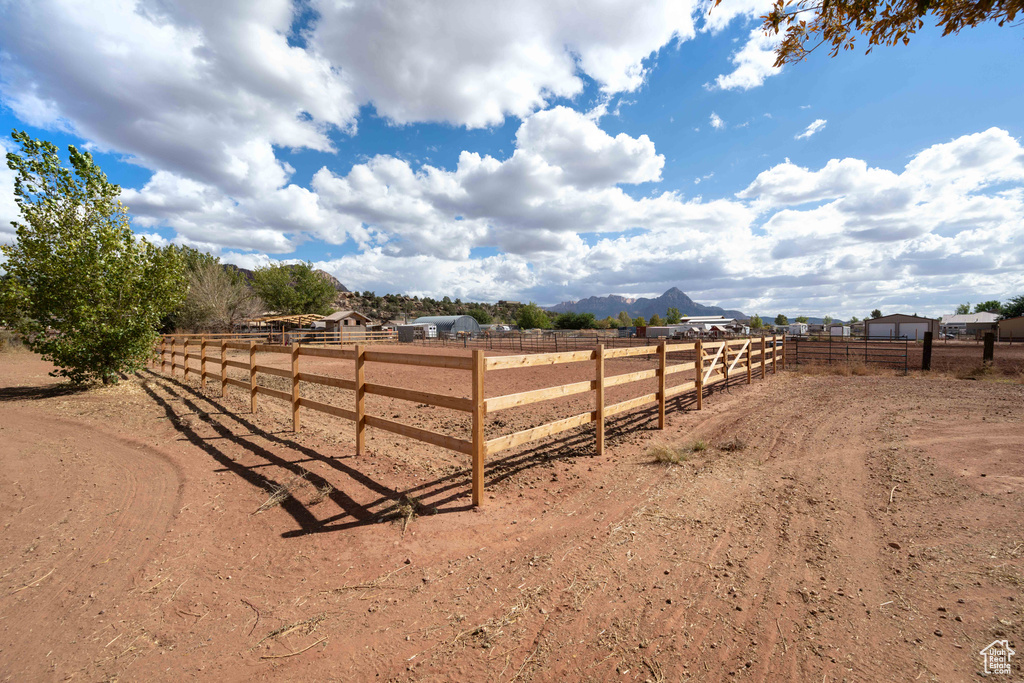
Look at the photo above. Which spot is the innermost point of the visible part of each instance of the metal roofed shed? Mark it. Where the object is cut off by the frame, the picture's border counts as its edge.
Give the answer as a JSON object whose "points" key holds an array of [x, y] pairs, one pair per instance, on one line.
{"points": [[451, 325], [970, 323], [900, 326]]}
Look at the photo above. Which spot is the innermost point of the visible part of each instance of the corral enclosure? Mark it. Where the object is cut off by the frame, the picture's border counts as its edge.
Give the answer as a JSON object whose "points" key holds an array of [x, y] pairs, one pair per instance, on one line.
{"points": [[827, 527], [346, 384]]}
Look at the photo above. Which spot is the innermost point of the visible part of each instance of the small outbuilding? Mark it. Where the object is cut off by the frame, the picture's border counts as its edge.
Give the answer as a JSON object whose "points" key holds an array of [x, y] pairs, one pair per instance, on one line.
{"points": [[339, 319], [1012, 329], [798, 329], [900, 326], [409, 333], [839, 330], [451, 325]]}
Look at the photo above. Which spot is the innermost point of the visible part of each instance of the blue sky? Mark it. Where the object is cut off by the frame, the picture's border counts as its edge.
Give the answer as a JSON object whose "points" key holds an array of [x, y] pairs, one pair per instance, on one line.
{"points": [[534, 152]]}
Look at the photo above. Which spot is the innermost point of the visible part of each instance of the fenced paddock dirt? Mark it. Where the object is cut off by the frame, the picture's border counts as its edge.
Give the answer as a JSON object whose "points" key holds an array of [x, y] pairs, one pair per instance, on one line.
{"points": [[609, 378], [834, 528]]}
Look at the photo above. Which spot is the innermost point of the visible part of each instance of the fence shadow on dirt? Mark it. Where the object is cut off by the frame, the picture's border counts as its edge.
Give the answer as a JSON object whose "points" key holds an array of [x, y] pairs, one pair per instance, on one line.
{"points": [[443, 495]]}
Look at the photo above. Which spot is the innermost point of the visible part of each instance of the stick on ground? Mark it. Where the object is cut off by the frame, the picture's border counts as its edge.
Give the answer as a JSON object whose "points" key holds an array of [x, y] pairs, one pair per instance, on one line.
{"points": [[297, 652]]}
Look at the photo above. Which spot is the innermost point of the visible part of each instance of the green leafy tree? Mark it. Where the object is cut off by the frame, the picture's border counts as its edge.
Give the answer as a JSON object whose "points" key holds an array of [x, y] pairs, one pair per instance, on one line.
{"points": [[854, 319], [756, 323], [10, 306], [531, 316], [88, 293], [480, 315], [608, 323], [1014, 307], [827, 320], [876, 314], [802, 318], [781, 320], [672, 317], [575, 321], [294, 289], [656, 320], [808, 24], [639, 321], [963, 309], [625, 320], [194, 259], [988, 307]]}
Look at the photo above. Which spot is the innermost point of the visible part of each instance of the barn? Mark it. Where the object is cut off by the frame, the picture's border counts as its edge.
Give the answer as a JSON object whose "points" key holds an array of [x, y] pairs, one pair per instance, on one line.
{"points": [[900, 326], [451, 325], [1012, 328]]}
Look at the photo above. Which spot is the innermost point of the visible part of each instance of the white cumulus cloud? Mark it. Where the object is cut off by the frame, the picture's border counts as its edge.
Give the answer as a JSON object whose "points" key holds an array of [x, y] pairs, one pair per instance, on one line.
{"points": [[755, 62]]}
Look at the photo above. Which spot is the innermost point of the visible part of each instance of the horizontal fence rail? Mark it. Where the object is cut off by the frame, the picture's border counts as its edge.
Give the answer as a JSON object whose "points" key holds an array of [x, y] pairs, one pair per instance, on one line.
{"points": [[696, 365]]}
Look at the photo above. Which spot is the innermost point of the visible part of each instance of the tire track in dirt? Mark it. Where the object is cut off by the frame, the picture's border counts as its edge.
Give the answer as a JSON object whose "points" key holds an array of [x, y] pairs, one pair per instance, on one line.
{"points": [[91, 516], [809, 523]]}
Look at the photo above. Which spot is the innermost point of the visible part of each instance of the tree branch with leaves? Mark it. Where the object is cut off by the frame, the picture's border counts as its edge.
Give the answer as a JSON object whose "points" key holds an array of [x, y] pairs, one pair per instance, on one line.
{"points": [[807, 25]]}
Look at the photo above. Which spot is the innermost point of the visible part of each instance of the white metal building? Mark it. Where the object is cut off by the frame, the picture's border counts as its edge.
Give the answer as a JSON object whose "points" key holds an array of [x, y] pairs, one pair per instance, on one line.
{"points": [[900, 326]]}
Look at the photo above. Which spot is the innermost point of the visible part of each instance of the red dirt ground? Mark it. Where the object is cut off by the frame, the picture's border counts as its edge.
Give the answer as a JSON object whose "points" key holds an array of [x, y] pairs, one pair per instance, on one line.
{"points": [[867, 529]]}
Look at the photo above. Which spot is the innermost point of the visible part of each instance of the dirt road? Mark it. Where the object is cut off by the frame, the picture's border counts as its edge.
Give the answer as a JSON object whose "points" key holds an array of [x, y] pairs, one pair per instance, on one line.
{"points": [[837, 528]]}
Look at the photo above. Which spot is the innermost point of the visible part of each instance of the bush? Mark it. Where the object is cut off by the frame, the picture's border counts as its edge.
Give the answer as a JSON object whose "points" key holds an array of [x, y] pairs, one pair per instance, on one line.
{"points": [[575, 321], [532, 316]]}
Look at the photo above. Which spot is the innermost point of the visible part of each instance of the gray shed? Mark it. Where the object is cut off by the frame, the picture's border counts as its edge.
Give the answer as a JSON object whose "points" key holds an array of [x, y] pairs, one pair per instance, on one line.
{"points": [[451, 325]]}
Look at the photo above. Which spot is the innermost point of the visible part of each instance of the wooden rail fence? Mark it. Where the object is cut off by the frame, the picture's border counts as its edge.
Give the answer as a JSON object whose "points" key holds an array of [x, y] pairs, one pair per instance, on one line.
{"points": [[707, 363]]}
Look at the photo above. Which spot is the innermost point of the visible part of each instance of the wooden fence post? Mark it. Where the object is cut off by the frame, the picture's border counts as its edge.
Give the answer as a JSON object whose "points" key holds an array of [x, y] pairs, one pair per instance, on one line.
{"points": [[173, 358], [295, 387], [764, 357], [750, 348], [202, 363], [360, 399], [479, 416], [223, 367], [699, 380], [184, 376], [784, 349], [163, 355], [988, 354], [252, 375], [599, 396], [662, 381], [926, 353]]}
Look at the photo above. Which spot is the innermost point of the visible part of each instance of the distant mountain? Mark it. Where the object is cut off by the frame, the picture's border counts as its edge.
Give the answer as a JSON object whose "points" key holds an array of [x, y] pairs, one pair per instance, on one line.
{"points": [[333, 280], [604, 306]]}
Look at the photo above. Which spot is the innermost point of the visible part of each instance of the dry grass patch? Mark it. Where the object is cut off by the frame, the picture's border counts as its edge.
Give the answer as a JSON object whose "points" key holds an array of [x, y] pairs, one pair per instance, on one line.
{"points": [[732, 445], [987, 372], [662, 452], [282, 492], [405, 510], [667, 453], [11, 342], [322, 494]]}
